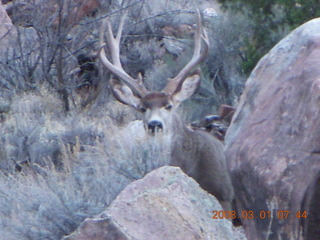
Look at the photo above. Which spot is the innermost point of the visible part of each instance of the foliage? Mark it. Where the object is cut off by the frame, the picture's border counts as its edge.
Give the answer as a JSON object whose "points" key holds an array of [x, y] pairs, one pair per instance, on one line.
{"points": [[222, 70], [272, 20], [63, 159], [57, 170]]}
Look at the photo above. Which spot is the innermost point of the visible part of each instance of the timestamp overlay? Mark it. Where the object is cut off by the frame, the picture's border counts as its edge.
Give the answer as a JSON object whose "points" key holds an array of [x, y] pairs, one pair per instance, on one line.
{"points": [[280, 214]]}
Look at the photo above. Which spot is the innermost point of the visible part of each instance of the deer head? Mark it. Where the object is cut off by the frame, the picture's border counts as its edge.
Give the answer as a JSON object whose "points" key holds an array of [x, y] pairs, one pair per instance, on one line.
{"points": [[158, 106]]}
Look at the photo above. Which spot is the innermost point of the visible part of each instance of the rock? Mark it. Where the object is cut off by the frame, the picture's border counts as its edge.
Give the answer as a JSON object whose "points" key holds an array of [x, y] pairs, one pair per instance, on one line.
{"points": [[175, 46], [226, 112], [72, 11], [166, 204], [7, 30], [217, 125], [272, 145]]}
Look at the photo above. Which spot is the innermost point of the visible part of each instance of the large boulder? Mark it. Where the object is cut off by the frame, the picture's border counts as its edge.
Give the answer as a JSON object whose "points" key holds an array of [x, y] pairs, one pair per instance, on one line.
{"points": [[273, 143], [166, 204]]}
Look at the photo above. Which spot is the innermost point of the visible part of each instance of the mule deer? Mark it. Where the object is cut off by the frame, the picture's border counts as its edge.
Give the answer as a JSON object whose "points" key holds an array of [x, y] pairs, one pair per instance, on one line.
{"points": [[197, 153]]}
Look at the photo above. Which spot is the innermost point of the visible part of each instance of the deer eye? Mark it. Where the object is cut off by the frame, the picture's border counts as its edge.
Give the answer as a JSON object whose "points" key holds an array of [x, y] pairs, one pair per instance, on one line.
{"points": [[168, 107], [143, 109]]}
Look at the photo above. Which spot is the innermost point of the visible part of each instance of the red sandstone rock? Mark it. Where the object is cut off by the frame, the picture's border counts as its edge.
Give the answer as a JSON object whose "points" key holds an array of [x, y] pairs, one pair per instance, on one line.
{"points": [[68, 12], [273, 142], [166, 204]]}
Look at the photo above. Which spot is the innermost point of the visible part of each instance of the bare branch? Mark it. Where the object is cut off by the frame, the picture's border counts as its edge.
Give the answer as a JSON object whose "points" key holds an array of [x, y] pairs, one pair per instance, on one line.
{"points": [[115, 67], [198, 56]]}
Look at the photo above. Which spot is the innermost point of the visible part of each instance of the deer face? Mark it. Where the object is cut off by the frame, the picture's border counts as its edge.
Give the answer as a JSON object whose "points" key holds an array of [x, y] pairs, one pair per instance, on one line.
{"points": [[158, 107]]}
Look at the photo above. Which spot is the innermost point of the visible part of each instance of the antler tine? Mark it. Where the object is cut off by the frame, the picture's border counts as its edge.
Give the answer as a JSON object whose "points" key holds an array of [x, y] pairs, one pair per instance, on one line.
{"points": [[198, 56], [115, 67], [121, 24]]}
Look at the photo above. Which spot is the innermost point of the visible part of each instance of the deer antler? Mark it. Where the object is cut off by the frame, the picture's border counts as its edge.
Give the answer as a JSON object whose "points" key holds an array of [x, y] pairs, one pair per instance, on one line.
{"points": [[115, 67], [198, 56], [136, 84]]}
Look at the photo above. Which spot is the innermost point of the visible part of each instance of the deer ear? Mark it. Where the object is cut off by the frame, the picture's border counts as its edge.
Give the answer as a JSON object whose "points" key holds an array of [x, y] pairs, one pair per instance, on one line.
{"points": [[187, 88], [124, 94]]}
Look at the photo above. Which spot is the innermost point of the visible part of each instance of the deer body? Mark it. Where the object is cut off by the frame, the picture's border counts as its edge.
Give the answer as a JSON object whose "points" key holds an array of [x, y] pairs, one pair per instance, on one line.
{"points": [[201, 157], [197, 153]]}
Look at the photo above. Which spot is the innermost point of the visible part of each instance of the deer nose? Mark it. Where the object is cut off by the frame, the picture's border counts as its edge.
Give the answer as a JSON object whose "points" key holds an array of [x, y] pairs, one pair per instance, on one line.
{"points": [[154, 126]]}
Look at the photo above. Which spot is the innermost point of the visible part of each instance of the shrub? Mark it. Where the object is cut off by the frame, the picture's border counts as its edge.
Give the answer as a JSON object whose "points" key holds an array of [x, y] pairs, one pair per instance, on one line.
{"points": [[271, 21], [61, 162], [45, 200]]}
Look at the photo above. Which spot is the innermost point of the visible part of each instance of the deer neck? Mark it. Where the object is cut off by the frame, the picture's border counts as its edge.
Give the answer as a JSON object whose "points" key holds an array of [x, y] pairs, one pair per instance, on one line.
{"points": [[179, 129]]}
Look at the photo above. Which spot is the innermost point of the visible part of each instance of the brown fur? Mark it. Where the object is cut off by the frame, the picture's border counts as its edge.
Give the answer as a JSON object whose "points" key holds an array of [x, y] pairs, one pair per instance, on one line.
{"points": [[155, 99], [201, 156]]}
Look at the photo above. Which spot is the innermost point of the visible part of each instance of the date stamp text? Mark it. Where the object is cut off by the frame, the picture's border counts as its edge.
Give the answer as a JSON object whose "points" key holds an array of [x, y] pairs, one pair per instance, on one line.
{"points": [[258, 215]]}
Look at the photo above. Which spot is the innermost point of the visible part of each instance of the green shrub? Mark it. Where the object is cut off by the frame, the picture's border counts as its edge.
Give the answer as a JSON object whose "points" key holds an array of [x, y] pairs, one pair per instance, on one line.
{"points": [[271, 21]]}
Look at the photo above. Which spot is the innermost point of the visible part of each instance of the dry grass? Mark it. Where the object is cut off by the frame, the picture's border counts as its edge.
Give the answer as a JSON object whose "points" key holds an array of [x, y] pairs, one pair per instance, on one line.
{"points": [[72, 167], [58, 169]]}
